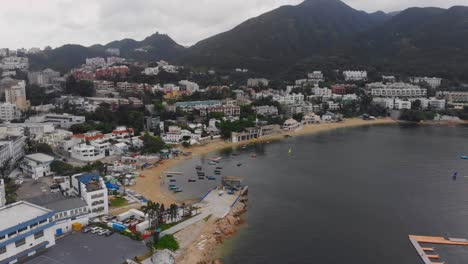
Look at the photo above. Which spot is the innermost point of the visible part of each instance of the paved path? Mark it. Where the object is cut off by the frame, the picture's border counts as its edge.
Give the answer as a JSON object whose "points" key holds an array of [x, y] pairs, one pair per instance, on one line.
{"points": [[213, 204], [185, 224]]}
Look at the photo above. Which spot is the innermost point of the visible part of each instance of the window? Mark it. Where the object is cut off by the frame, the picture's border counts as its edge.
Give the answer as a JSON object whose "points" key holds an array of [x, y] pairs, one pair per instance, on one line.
{"points": [[3, 250], [22, 229], [2, 237], [12, 234], [39, 234], [43, 221], [20, 242]]}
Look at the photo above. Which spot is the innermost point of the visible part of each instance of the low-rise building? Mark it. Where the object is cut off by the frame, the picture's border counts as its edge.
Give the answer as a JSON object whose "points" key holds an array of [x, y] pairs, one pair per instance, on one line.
{"points": [[196, 105], [453, 97], [84, 152], [14, 63], [355, 75], [228, 111], [311, 119], [266, 110], [256, 82], [37, 165], [248, 134], [434, 82], [322, 92], [25, 229], [188, 86], [93, 190], [392, 103], [399, 90], [291, 125], [67, 210], [63, 120]]}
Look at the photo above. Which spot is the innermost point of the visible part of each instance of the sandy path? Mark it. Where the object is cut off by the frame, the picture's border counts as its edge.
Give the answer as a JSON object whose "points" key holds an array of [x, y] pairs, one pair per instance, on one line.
{"points": [[150, 185]]}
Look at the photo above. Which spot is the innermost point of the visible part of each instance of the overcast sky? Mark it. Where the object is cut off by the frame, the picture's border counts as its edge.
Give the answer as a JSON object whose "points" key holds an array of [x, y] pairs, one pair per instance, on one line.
{"points": [[37, 23]]}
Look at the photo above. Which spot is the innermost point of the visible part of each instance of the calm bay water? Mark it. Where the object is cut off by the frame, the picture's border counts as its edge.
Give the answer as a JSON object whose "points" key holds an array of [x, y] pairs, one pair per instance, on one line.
{"points": [[349, 196]]}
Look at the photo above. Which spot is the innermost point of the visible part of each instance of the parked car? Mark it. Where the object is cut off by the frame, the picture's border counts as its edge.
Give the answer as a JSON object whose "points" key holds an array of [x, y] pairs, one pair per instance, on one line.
{"points": [[96, 230], [109, 233], [86, 229]]}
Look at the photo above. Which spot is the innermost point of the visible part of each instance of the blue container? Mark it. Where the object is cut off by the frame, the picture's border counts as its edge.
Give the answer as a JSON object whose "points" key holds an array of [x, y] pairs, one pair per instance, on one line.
{"points": [[58, 232]]}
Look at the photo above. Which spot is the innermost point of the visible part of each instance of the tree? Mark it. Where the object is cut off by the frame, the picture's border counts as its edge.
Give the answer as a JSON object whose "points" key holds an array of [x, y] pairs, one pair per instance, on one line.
{"points": [[152, 145], [416, 105], [82, 88], [42, 148], [153, 211], [5, 168], [61, 168]]}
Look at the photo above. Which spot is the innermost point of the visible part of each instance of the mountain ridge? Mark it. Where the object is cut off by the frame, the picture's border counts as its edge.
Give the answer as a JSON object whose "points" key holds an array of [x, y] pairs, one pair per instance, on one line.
{"points": [[312, 35]]}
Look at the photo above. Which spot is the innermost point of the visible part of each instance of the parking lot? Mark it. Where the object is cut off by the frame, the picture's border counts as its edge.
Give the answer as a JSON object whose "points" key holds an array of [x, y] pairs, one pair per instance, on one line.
{"points": [[79, 248]]}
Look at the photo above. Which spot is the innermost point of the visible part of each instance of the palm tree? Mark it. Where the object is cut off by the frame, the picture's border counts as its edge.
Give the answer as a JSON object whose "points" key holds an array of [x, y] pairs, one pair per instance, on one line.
{"points": [[151, 209]]}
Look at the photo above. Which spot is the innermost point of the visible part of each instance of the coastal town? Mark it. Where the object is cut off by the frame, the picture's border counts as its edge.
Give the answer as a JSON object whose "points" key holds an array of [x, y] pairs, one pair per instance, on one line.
{"points": [[86, 155]]}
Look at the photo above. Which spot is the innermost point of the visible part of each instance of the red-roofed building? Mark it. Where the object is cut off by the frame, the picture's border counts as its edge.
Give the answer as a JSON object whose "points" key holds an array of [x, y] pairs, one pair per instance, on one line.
{"points": [[112, 71]]}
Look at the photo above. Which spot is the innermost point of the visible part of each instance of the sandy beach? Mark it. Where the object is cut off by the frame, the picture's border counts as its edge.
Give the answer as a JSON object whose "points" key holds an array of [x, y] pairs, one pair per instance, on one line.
{"points": [[150, 184]]}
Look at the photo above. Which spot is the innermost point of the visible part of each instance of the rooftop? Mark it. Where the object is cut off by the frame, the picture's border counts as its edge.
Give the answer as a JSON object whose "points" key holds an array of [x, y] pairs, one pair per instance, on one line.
{"points": [[57, 202], [17, 213], [39, 157]]}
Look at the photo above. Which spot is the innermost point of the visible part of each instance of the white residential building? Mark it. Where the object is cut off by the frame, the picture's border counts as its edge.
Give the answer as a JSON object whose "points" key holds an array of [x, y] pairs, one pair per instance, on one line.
{"points": [[392, 103], [2, 193], [266, 110], [93, 190], [96, 62], [43, 78], [433, 103], [63, 120], [355, 75], [85, 152], [113, 51], [322, 92], [399, 90], [11, 148], [37, 165], [114, 60], [151, 71], [14, 63], [9, 112], [332, 106], [292, 98], [25, 229], [434, 82], [453, 97], [257, 82], [389, 78], [16, 94], [4, 52], [315, 75], [188, 86], [291, 125]]}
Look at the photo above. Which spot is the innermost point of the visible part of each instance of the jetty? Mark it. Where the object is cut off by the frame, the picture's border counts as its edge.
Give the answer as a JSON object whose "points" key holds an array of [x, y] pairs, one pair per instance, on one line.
{"points": [[427, 253]]}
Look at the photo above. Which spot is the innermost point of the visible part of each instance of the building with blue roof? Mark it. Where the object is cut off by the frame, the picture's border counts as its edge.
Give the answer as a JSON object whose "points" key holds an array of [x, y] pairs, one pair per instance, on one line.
{"points": [[25, 230]]}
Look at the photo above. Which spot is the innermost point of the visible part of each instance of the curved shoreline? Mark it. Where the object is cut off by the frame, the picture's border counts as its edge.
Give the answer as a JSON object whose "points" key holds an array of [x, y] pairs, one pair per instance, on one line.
{"points": [[150, 185]]}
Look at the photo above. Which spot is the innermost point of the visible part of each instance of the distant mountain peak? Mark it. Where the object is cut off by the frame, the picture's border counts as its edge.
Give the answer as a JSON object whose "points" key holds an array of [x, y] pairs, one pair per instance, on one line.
{"points": [[325, 4]]}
